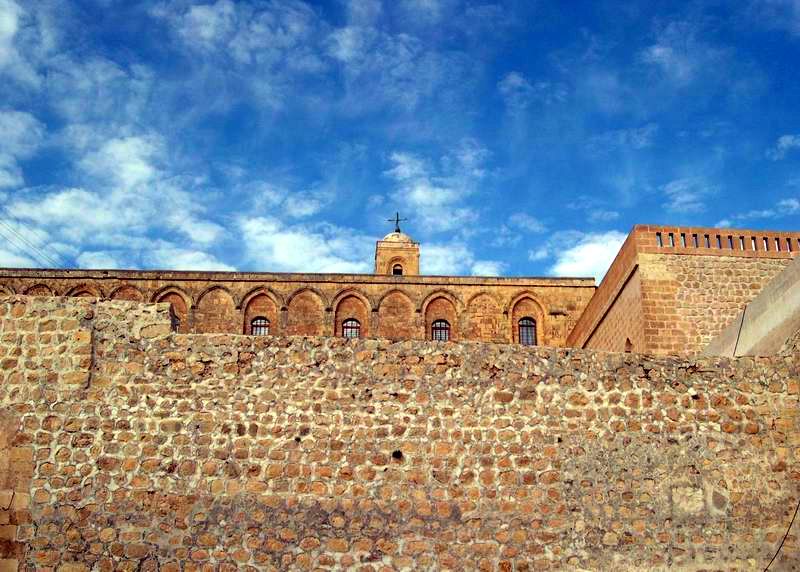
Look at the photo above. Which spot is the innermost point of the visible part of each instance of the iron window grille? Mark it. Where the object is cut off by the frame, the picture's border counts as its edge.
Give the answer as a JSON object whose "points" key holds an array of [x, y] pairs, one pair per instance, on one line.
{"points": [[440, 330], [351, 328], [527, 331], [259, 326]]}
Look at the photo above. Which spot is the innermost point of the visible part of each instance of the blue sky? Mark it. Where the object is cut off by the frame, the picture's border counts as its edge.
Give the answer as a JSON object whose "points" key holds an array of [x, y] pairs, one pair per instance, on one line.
{"points": [[519, 137]]}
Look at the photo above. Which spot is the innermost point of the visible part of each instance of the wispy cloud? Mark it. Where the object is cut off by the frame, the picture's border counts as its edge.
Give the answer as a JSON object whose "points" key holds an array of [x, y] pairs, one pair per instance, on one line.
{"points": [[455, 258], [783, 208], [629, 138], [21, 134], [679, 52], [688, 195], [783, 145], [437, 190], [519, 93]]}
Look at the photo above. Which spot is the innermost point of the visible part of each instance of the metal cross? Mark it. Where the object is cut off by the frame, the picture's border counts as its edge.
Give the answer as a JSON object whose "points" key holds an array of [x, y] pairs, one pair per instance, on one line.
{"points": [[396, 220]]}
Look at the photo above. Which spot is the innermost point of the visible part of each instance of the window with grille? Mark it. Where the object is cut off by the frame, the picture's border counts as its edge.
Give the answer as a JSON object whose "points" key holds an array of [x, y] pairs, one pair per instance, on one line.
{"points": [[527, 331], [440, 330], [351, 328], [397, 270], [259, 326]]}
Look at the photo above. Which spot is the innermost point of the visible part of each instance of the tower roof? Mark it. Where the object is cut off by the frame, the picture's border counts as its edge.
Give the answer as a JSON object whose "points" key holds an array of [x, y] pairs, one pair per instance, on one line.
{"points": [[397, 237]]}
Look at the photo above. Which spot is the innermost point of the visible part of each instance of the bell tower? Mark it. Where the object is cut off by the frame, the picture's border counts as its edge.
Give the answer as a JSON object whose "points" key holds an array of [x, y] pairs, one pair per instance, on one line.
{"points": [[397, 254]]}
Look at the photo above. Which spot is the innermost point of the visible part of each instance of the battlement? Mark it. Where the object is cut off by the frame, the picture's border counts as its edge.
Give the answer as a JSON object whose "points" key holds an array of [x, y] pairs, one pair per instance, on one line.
{"points": [[672, 289]]}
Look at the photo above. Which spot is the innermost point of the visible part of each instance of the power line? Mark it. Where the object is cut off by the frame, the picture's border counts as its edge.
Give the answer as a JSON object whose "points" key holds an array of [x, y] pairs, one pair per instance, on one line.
{"points": [[38, 253], [22, 249], [49, 260]]}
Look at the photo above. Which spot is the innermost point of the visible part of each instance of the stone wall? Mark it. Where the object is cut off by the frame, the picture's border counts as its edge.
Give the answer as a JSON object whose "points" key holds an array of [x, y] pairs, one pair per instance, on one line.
{"points": [[316, 304], [692, 282], [149, 450]]}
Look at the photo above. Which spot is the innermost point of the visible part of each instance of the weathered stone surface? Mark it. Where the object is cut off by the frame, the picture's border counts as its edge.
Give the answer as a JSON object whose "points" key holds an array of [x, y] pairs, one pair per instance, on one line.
{"points": [[226, 452]]}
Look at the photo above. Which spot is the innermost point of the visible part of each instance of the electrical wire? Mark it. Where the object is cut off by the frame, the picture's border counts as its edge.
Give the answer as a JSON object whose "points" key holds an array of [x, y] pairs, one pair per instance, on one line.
{"points": [[35, 253], [42, 256], [784, 537]]}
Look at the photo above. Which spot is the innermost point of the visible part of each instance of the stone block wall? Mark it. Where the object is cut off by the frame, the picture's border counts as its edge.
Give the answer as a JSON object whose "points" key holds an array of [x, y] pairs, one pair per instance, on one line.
{"points": [[395, 307], [226, 452], [673, 289]]}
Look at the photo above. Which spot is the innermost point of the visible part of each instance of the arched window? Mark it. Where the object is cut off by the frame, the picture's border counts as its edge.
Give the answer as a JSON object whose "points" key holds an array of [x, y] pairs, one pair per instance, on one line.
{"points": [[628, 345], [351, 328], [440, 330], [527, 331], [259, 326], [397, 270]]}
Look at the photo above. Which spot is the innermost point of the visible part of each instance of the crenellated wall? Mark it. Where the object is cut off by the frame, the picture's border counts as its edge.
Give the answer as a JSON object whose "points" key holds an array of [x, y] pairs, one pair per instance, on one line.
{"points": [[671, 290], [130, 447]]}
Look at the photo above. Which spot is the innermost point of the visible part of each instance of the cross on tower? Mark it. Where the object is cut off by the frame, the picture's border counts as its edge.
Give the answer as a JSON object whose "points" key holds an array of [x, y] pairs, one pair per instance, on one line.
{"points": [[396, 220]]}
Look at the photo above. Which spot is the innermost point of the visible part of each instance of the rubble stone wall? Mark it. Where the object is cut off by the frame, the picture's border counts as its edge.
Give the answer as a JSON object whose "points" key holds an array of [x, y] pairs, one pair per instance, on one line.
{"points": [[145, 449]]}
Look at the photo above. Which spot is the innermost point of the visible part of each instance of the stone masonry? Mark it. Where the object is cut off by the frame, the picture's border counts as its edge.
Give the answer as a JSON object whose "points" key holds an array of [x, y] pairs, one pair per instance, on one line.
{"points": [[671, 290], [125, 446]]}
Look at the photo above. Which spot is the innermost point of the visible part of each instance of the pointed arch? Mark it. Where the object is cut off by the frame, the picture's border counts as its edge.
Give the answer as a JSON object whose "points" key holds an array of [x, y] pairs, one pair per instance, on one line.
{"points": [[6, 290], [351, 305], [319, 293], [127, 292], [261, 306], [403, 293], [350, 291], [85, 290], [179, 301], [453, 298], [216, 312], [305, 313], [441, 309], [173, 289], [276, 297], [397, 318], [38, 290], [526, 305], [519, 296]]}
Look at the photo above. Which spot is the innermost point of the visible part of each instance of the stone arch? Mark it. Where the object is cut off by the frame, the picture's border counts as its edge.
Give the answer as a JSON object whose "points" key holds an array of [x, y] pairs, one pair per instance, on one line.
{"points": [[85, 291], [397, 316], [38, 290], [6, 290], [172, 288], [179, 305], [351, 305], [455, 300], [261, 304], [485, 320], [216, 312], [525, 305], [306, 313], [127, 292], [396, 260], [441, 307], [276, 297], [319, 293]]}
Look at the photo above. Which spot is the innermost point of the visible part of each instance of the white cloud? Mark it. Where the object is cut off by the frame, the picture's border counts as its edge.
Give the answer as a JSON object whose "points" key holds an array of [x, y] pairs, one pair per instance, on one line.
{"points": [[274, 246], [164, 255], [679, 54], [126, 162], [97, 259], [602, 215], [630, 138], [527, 222], [778, 14], [783, 145], [436, 193], [519, 93], [487, 268], [455, 259], [21, 134], [687, 195], [590, 256], [11, 259], [783, 208]]}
